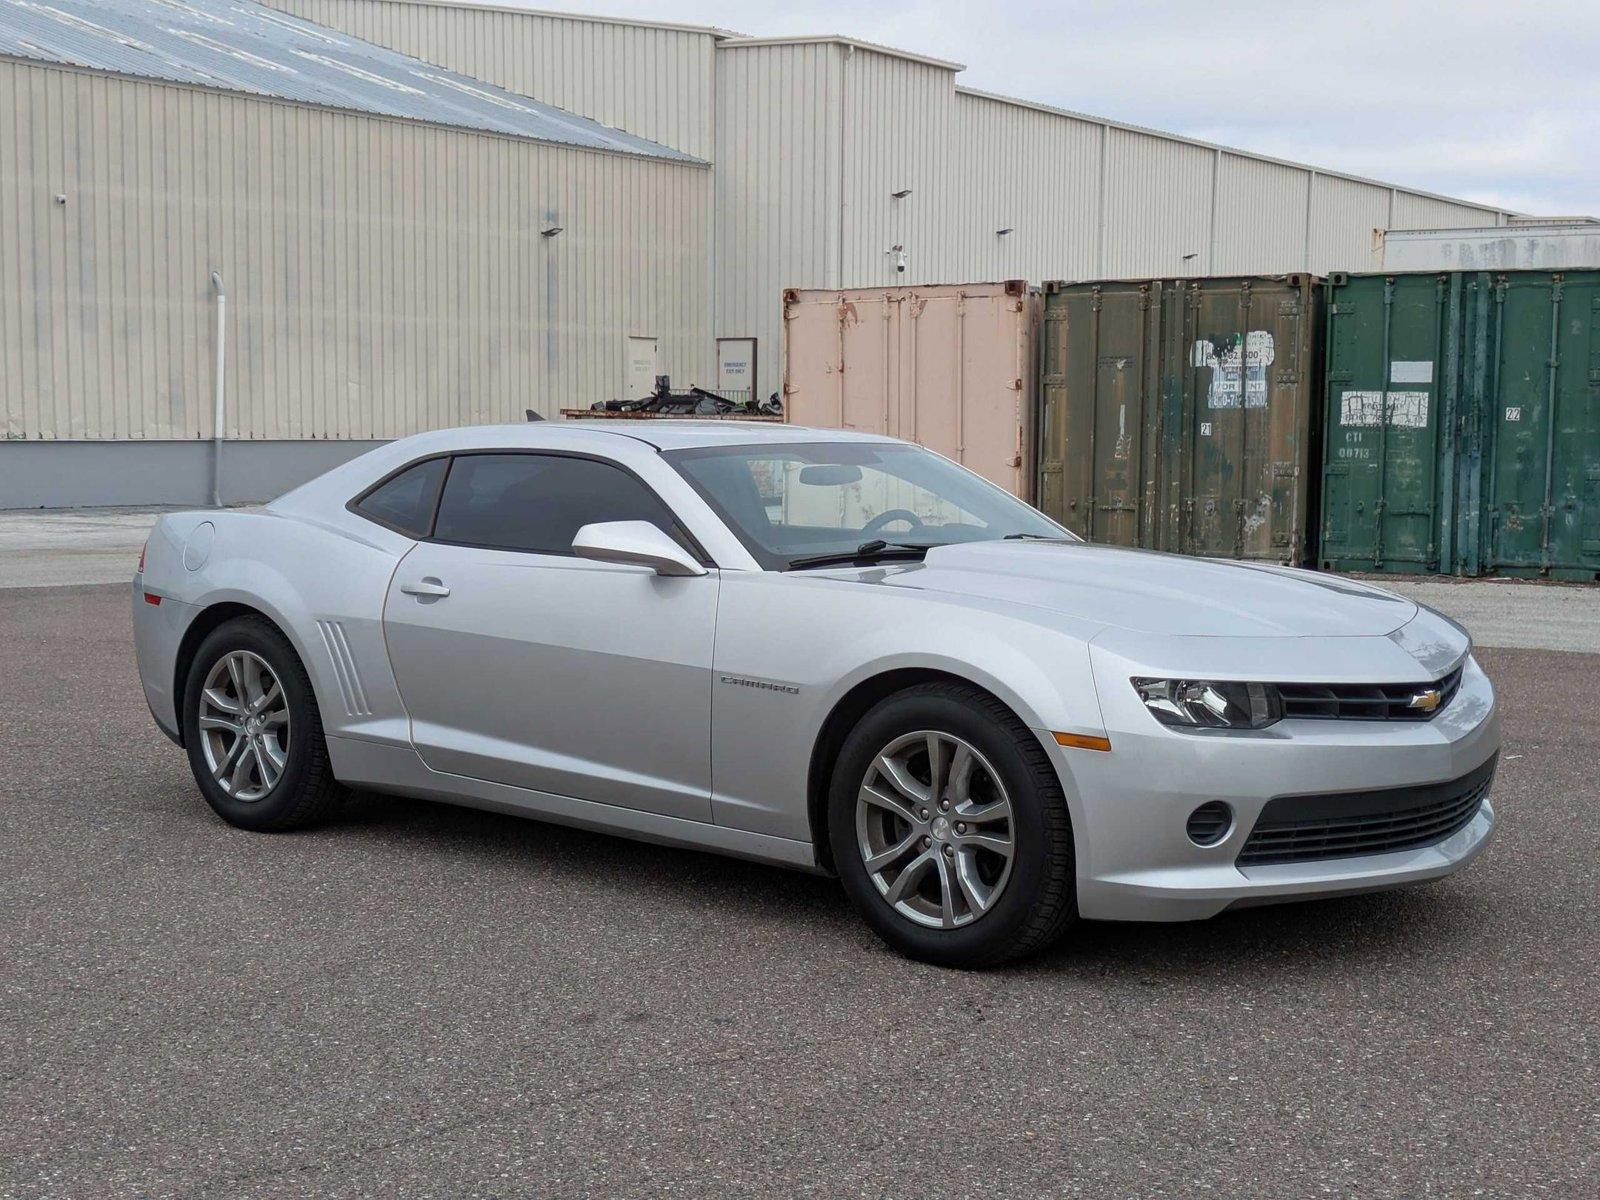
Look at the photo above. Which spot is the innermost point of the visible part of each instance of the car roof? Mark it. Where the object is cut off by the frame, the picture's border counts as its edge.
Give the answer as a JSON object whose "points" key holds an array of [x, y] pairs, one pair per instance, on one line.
{"points": [[670, 434], [680, 434]]}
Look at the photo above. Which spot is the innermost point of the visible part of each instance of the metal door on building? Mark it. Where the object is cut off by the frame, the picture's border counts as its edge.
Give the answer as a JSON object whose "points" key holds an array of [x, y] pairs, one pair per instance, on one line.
{"points": [[736, 368], [644, 364]]}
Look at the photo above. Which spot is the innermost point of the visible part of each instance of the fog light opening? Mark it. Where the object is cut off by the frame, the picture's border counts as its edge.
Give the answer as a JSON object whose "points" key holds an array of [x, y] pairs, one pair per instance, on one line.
{"points": [[1210, 823]]}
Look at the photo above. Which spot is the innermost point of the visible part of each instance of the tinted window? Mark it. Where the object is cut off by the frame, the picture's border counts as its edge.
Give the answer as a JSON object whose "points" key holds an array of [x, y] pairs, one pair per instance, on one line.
{"points": [[538, 502], [406, 501]]}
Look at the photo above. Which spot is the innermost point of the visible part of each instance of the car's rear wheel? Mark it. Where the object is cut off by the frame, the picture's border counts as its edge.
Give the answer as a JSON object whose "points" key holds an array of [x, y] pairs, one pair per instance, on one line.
{"points": [[949, 829], [253, 732]]}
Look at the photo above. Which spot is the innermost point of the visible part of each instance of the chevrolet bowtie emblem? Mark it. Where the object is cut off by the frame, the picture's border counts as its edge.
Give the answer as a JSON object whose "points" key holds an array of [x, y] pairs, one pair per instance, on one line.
{"points": [[1426, 701]]}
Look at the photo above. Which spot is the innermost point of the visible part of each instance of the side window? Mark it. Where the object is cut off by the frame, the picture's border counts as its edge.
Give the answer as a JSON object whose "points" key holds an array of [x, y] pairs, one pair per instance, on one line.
{"points": [[538, 502], [405, 503]]}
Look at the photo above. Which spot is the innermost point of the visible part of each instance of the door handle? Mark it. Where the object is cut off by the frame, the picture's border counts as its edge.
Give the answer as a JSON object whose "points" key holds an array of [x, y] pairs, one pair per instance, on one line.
{"points": [[428, 586]]}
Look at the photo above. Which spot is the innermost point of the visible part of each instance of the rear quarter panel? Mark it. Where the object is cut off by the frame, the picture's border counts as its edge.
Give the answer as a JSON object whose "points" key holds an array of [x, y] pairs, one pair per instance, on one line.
{"points": [[321, 582]]}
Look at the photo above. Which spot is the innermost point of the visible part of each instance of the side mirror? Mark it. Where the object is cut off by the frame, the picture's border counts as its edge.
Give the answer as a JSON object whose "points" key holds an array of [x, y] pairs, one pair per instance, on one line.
{"points": [[636, 542]]}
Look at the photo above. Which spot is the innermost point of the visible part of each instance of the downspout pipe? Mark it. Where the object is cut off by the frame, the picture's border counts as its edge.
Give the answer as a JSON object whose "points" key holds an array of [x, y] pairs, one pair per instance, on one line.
{"points": [[219, 411]]}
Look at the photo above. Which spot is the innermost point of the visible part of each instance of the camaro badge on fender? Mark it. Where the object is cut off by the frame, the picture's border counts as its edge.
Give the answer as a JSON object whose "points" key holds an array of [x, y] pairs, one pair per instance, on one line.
{"points": [[787, 688]]}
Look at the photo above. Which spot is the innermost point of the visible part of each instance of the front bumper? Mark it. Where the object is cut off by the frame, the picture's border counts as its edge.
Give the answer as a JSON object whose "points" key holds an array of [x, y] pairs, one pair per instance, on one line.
{"points": [[1130, 811]]}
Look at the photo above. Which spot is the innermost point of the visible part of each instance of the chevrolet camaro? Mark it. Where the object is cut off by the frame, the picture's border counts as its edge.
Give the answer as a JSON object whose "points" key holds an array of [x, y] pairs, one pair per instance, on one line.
{"points": [[829, 650]]}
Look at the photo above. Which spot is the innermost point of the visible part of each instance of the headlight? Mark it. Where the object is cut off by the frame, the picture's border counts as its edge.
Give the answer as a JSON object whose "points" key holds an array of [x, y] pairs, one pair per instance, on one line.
{"points": [[1201, 704]]}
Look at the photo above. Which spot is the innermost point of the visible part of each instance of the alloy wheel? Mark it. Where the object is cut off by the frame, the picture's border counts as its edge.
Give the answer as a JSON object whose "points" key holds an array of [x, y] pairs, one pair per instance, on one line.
{"points": [[244, 726], [934, 828]]}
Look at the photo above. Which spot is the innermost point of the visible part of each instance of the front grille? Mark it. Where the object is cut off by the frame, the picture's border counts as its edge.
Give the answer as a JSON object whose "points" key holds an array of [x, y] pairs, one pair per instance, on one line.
{"points": [[1366, 701], [1340, 825]]}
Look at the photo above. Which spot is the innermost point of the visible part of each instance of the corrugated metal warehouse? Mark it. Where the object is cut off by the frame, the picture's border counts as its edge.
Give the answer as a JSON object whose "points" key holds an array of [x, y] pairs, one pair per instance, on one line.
{"points": [[374, 192], [383, 274]]}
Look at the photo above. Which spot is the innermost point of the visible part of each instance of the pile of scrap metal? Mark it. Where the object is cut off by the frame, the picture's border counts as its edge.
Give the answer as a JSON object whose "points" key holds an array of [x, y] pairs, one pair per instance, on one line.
{"points": [[697, 401]]}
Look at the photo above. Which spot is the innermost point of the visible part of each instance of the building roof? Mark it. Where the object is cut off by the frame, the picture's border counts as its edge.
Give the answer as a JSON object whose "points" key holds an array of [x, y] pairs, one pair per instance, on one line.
{"points": [[737, 41], [564, 14], [241, 46]]}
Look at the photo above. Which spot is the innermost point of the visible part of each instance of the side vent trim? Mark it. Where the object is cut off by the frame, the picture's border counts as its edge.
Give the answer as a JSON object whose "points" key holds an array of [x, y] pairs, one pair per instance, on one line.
{"points": [[351, 690]]}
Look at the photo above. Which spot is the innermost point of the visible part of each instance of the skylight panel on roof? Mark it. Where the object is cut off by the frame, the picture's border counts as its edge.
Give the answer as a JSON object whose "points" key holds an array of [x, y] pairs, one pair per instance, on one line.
{"points": [[358, 73], [479, 93], [255, 60], [85, 26], [193, 12], [298, 28]]}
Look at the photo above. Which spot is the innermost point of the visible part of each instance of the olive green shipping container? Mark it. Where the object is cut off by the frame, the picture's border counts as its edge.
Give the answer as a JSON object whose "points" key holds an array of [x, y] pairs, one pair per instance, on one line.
{"points": [[1177, 414], [1463, 423]]}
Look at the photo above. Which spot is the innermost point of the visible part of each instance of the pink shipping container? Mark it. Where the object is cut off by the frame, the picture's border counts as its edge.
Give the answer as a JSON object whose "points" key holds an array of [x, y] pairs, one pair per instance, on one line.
{"points": [[948, 366]]}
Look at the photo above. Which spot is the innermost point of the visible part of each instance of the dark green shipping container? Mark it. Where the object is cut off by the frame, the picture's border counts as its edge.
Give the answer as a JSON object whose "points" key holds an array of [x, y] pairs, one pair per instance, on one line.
{"points": [[1463, 424], [1177, 414]]}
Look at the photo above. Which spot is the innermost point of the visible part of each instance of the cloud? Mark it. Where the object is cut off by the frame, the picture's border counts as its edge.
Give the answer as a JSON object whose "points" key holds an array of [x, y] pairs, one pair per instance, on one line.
{"points": [[1472, 98]]}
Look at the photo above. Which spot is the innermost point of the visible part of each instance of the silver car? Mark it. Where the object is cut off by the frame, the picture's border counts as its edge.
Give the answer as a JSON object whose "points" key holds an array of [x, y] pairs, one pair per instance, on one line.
{"points": [[826, 650]]}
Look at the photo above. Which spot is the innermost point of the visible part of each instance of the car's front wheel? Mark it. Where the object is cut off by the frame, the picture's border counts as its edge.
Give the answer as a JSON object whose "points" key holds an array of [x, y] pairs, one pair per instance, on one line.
{"points": [[253, 732], [949, 829]]}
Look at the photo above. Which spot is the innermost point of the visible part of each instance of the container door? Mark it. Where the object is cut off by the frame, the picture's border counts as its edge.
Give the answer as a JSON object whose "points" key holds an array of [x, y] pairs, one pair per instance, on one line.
{"points": [[1100, 380], [1382, 481], [1544, 472], [1246, 370], [813, 362], [1474, 400]]}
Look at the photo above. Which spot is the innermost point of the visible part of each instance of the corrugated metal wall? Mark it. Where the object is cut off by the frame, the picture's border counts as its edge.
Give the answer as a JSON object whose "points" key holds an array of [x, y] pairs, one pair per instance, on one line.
{"points": [[1156, 206], [383, 277], [777, 187], [651, 80], [898, 134], [1412, 211], [1342, 210], [1020, 170], [1259, 222]]}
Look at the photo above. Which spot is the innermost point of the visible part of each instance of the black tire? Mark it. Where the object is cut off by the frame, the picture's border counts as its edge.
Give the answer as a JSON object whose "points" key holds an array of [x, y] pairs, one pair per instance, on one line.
{"points": [[306, 792], [1038, 901]]}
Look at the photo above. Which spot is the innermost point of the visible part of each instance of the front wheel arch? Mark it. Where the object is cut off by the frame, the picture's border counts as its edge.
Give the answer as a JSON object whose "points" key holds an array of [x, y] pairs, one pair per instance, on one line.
{"points": [[843, 717]]}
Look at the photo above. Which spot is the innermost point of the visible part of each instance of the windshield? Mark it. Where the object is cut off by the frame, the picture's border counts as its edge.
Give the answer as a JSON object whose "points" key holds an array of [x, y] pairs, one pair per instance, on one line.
{"points": [[793, 502]]}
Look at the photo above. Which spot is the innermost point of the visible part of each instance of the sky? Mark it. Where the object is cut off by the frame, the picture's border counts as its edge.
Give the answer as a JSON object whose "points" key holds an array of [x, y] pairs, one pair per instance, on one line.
{"points": [[1494, 102]]}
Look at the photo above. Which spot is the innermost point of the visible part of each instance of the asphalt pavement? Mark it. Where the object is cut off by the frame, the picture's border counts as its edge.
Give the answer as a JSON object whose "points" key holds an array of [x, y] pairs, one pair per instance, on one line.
{"points": [[426, 1001]]}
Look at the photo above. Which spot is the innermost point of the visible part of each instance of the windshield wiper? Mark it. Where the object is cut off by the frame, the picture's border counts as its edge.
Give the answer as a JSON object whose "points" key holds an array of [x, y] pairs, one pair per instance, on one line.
{"points": [[877, 550], [1031, 537]]}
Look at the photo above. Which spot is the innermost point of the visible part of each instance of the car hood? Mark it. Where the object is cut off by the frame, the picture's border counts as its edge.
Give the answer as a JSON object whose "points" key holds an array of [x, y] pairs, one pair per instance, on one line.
{"points": [[1150, 592]]}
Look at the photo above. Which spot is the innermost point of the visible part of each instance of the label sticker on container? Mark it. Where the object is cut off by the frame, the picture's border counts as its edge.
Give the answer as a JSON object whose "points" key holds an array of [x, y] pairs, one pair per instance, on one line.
{"points": [[1410, 372], [1360, 408], [1222, 355], [1205, 428], [1408, 410], [1514, 414]]}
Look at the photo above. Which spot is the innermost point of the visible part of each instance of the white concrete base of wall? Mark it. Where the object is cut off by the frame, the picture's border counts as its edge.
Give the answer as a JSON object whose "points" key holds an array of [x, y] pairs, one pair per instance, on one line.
{"points": [[98, 474]]}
